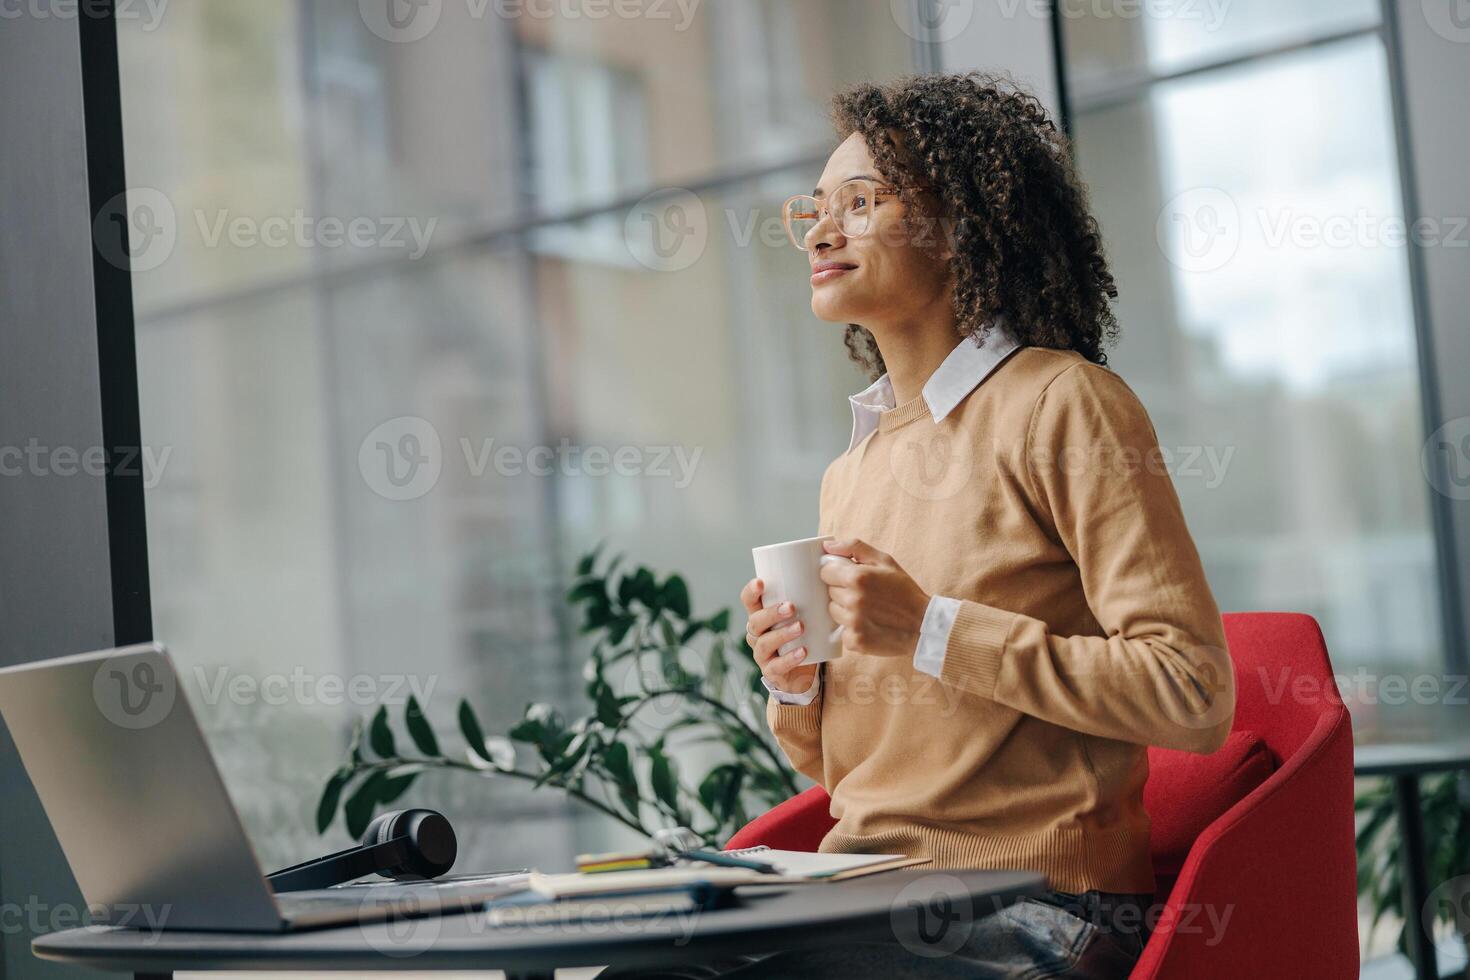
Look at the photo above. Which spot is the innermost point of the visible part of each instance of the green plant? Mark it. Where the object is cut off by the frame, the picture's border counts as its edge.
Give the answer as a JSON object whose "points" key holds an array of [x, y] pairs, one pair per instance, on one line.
{"points": [[1445, 809], [649, 654]]}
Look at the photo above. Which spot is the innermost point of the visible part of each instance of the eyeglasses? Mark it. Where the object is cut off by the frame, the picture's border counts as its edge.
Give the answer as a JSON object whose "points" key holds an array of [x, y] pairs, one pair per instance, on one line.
{"points": [[850, 204]]}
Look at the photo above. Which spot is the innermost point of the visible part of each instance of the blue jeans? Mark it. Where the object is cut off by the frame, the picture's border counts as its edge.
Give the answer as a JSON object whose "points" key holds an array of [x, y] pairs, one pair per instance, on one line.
{"points": [[1087, 936]]}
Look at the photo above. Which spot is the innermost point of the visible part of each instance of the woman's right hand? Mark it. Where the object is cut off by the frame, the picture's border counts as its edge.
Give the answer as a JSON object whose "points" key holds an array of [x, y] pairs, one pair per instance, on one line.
{"points": [[786, 673]]}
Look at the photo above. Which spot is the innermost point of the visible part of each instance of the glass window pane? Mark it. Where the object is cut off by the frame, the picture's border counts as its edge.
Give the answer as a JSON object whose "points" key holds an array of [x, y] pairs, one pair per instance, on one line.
{"points": [[1267, 324], [348, 298], [1109, 41]]}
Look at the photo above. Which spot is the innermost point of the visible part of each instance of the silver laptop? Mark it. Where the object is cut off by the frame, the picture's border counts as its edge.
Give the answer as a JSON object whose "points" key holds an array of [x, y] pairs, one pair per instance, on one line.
{"points": [[135, 798]]}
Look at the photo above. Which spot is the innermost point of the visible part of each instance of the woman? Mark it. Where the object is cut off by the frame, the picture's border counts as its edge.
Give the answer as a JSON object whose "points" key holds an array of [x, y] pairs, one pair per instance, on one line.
{"points": [[1025, 611]]}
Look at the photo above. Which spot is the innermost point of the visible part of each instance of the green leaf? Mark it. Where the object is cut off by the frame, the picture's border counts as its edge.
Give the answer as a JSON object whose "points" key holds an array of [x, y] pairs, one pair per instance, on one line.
{"points": [[640, 587], [326, 808], [469, 727], [618, 627], [360, 805], [380, 736], [619, 765], [419, 728], [395, 786], [598, 615], [528, 730], [609, 709], [587, 590], [720, 621], [675, 596], [586, 563], [665, 780]]}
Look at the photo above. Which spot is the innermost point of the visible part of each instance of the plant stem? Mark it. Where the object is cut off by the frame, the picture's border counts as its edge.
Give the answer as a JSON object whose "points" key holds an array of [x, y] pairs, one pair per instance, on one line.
{"points": [[765, 746], [723, 708]]}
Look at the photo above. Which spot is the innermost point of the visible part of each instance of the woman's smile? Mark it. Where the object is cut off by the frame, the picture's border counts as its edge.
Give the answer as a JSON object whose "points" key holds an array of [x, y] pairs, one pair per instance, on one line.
{"points": [[826, 271]]}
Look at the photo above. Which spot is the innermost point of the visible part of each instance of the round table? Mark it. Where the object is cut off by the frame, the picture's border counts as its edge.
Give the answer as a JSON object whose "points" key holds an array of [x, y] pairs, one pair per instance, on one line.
{"points": [[888, 904]]}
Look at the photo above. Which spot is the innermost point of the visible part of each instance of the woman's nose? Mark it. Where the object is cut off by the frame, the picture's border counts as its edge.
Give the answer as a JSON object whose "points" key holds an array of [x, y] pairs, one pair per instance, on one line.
{"points": [[823, 234]]}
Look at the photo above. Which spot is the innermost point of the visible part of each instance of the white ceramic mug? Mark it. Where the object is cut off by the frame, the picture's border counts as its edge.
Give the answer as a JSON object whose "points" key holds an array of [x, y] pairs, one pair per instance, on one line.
{"points": [[791, 573]]}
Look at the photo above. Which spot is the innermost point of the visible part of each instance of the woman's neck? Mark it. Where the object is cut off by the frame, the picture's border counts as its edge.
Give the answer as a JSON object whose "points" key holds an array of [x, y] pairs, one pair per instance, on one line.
{"points": [[913, 351]]}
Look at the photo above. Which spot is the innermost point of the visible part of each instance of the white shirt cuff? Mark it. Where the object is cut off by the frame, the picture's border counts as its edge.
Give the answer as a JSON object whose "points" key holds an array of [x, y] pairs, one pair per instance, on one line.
{"points": [[939, 619], [805, 697]]}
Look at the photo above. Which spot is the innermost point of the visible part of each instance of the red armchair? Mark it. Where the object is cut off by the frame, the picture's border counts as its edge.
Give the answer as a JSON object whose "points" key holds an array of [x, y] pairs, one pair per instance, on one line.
{"points": [[1279, 861]]}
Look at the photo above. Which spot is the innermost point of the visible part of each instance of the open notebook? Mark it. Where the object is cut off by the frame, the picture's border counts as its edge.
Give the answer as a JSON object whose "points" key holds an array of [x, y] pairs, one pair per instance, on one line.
{"points": [[818, 866], [797, 867]]}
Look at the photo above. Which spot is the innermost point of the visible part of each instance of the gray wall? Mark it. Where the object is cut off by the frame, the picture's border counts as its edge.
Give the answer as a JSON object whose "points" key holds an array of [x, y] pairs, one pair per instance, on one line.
{"points": [[55, 588]]}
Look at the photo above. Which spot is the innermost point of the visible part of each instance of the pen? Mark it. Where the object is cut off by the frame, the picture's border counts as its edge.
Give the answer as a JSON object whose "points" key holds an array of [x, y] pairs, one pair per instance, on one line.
{"points": [[715, 857]]}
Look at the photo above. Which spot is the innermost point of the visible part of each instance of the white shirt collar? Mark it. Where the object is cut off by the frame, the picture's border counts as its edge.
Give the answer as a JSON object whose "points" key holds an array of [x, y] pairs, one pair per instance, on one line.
{"points": [[961, 373]]}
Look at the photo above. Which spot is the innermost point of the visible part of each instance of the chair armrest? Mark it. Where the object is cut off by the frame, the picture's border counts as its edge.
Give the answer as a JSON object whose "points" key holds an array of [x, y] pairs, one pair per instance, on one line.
{"points": [[1269, 889], [799, 824]]}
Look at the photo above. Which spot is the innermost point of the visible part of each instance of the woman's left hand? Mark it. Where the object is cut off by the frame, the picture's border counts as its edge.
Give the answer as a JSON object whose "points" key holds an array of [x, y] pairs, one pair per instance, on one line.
{"points": [[879, 605]]}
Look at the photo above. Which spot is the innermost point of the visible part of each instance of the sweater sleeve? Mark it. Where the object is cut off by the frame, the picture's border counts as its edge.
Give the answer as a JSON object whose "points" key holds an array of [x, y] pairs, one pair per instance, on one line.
{"points": [[1161, 675], [798, 730]]}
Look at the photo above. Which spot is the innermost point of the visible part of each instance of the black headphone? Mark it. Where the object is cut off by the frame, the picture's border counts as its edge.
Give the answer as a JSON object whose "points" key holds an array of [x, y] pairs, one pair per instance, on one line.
{"points": [[405, 845]]}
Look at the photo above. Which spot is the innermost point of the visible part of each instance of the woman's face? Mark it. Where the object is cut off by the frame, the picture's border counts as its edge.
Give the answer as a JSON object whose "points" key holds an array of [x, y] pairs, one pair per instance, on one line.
{"points": [[889, 275]]}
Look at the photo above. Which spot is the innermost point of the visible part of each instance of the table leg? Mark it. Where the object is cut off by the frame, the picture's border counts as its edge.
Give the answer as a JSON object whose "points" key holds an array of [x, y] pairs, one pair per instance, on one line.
{"points": [[1415, 876]]}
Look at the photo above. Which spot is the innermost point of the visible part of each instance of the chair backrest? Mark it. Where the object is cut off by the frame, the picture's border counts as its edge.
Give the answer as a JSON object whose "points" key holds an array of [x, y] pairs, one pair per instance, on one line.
{"points": [[1284, 846], [1283, 685], [1283, 680]]}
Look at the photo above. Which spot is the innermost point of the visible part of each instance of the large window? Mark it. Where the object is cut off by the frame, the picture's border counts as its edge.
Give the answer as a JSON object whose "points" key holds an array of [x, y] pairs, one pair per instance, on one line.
{"points": [[389, 250], [1245, 176]]}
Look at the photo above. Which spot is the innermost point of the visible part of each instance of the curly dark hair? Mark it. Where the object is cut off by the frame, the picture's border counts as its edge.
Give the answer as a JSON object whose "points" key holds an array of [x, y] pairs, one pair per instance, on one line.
{"points": [[1025, 243]]}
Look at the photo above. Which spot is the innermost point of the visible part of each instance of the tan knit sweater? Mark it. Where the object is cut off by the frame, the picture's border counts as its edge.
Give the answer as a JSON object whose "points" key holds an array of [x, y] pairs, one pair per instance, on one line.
{"points": [[1087, 632]]}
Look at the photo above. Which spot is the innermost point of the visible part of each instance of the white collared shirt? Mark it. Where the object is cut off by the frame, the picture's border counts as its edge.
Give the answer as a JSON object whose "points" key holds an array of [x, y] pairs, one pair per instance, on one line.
{"points": [[951, 383]]}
